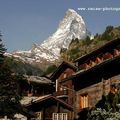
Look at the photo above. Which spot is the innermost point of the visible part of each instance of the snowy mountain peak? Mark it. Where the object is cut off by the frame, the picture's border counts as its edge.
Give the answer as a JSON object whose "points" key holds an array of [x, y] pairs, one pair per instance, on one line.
{"points": [[71, 15], [70, 12], [72, 26]]}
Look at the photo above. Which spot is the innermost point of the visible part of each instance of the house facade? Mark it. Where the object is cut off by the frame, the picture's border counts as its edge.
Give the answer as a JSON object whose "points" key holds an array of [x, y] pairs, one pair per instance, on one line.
{"points": [[98, 73], [95, 75], [64, 90], [50, 108], [42, 101]]}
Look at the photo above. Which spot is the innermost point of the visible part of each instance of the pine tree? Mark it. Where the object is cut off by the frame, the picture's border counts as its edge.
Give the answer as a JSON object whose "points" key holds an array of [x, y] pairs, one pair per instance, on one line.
{"points": [[2, 50], [9, 97]]}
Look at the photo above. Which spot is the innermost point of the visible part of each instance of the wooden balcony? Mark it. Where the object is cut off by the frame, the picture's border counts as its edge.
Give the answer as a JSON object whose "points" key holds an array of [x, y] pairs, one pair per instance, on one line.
{"points": [[107, 56], [61, 94]]}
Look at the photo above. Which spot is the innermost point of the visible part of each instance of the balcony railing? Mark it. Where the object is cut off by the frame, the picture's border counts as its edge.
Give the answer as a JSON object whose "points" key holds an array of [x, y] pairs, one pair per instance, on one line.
{"points": [[86, 66], [63, 93]]}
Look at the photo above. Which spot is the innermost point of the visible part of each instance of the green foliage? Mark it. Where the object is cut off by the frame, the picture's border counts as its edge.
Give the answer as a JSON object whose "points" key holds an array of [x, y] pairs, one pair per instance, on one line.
{"points": [[2, 50], [9, 97], [74, 42], [9, 108], [76, 49], [50, 69], [87, 41], [102, 114], [21, 68], [109, 29]]}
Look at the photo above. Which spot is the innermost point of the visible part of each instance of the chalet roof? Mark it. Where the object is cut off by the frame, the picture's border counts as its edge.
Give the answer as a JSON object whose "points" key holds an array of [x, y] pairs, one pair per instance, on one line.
{"points": [[109, 45], [61, 68], [20, 116], [27, 100], [47, 97], [38, 80]]}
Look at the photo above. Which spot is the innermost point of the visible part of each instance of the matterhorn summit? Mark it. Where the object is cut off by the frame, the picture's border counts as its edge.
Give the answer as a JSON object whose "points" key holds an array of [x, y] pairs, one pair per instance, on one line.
{"points": [[72, 26]]}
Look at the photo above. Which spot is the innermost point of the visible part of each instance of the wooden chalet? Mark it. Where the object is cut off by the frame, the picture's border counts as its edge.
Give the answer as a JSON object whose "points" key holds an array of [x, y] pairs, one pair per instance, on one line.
{"points": [[49, 108], [64, 91], [36, 86], [97, 72], [50, 102]]}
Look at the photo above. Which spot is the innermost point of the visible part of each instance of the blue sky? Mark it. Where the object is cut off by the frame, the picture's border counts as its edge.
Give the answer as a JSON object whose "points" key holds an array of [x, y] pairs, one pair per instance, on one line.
{"points": [[24, 22]]}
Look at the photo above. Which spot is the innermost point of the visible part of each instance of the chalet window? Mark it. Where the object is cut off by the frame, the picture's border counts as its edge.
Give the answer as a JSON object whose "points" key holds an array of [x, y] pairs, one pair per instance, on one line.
{"points": [[64, 89], [38, 116], [86, 66], [76, 63], [61, 88], [65, 75], [92, 63], [30, 90], [59, 116], [84, 101], [98, 60], [55, 116], [64, 116], [116, 52], [107, 55]]}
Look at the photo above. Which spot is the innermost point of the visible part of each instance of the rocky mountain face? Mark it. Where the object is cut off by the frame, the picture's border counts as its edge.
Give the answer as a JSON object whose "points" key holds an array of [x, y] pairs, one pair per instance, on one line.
{"points": [[72, 26]]}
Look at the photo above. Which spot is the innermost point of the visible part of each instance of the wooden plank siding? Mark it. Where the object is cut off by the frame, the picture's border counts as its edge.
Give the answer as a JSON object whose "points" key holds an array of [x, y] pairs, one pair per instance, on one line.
{"points": [[95, 92]]}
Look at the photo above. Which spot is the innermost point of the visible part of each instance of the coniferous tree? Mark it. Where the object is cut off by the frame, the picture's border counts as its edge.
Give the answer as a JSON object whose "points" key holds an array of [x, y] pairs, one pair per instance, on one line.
{"points": [[2, 50], [9, 97]]}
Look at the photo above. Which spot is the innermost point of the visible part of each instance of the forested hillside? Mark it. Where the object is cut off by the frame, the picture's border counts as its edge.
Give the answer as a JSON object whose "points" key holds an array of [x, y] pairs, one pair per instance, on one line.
{"points": [[19, 67], [78, 48]]}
